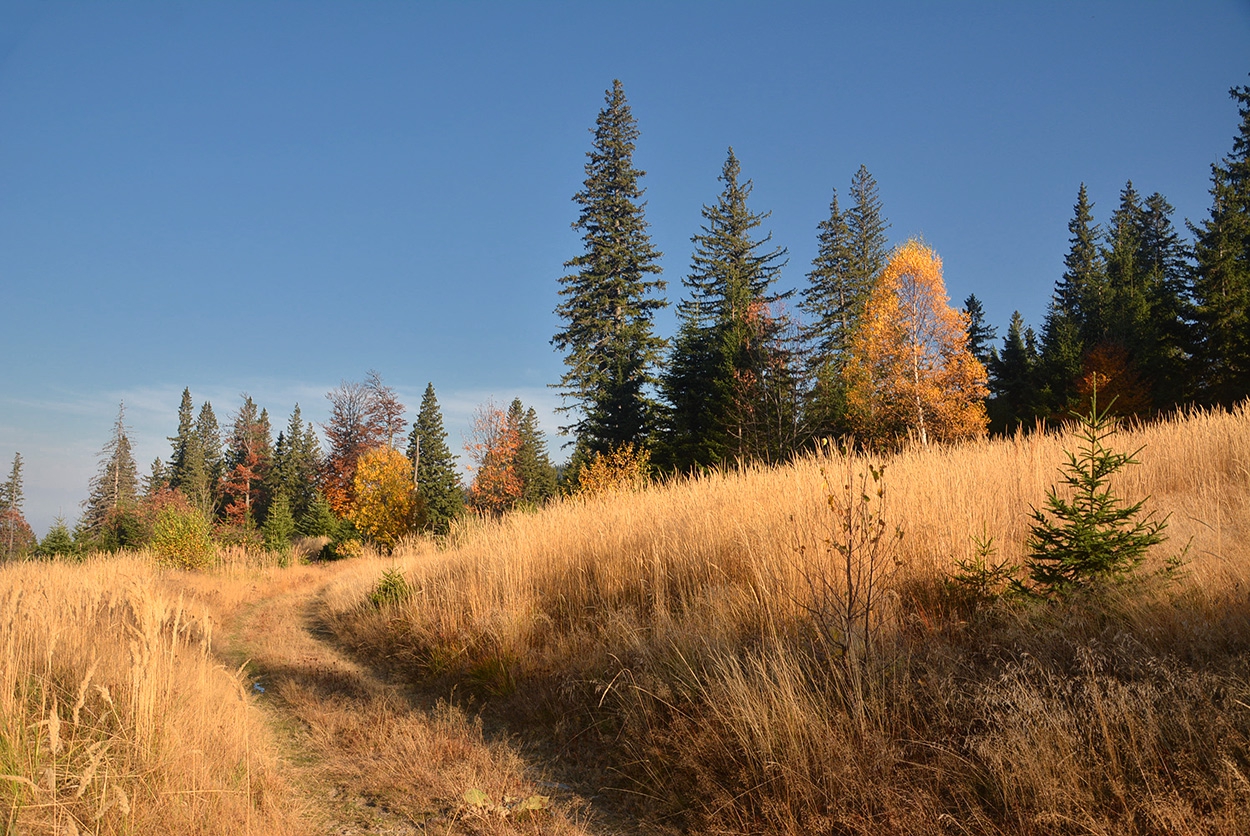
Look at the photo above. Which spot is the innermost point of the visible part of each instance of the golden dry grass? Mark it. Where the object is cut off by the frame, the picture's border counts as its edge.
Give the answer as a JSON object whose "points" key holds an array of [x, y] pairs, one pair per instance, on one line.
{"points": [[115, 717], [666, 647]]}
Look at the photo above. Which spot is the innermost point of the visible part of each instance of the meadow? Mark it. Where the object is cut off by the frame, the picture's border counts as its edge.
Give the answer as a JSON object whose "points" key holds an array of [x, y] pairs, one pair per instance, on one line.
{"points": [[683, 658]]}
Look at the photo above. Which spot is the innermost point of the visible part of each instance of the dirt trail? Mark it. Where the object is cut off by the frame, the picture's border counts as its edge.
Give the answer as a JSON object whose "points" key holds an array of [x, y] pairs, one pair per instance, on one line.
{"points": [[368, 756]]}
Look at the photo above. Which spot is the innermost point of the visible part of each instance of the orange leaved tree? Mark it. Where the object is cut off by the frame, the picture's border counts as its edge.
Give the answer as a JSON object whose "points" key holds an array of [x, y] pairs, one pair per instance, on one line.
{"points": [[910, 371], [385, 506], [493, 446]]}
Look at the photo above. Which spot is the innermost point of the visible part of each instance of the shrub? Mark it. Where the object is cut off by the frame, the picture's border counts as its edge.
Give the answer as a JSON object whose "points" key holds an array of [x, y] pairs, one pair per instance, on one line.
{"points": [[181, 538], [623, 469]]}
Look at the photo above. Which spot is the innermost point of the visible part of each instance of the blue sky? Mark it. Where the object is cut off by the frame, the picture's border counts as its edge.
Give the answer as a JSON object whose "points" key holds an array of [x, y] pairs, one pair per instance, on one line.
{"points": [[270, 197]]}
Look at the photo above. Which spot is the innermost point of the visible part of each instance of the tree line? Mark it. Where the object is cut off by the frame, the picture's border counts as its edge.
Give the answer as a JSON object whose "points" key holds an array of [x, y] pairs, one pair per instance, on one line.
{"points": [[871, 348], [375, 479]]}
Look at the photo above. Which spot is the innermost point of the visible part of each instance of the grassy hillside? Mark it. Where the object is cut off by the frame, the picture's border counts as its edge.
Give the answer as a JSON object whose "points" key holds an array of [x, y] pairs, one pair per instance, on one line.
{"points": [[686, 648]]}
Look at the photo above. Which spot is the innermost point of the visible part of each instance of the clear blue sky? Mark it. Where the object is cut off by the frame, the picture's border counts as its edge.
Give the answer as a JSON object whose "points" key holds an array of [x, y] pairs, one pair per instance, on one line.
{"points": [[270, 197]]}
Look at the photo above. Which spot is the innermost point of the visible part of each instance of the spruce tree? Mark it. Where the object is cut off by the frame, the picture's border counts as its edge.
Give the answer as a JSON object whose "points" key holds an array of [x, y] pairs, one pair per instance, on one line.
{"points": [[609, 302], [115, 487], [1166, 348], [1077, 313], [182, 442], [110, 519], [1221, 282], [16, 538], [867, 227], [58, 542], [436, 476], [1128, 309], [727, 334], [249, 458], [208, 436], [833, 301], [980, 335], [1013, 384], [296, 460], [538, 477]]}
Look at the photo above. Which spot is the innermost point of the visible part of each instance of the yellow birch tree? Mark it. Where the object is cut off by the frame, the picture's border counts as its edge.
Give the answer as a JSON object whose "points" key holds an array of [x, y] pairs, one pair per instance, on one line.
{"points": [[385, 506], [910, 371]]}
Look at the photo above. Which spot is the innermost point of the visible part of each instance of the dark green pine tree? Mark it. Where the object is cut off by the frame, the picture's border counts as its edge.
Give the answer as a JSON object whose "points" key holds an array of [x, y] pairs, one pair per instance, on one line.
{"points": [[279, 525], [1013, 380], [833, 303], [727, 338], [1221, 282], [196, 464], [182, 443], [157, 479], [58, 542], [109, 516], [437, 479], [1129, 308], [208, 434], [296, 462], [851, 252], [1164, 263], [608, 302], [980, 335], [1077, 312], [867, 227], [538, 477]]}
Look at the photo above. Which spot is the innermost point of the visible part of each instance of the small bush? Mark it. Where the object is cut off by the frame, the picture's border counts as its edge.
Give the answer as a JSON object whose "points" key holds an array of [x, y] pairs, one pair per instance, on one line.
{"points": [[624, 469], [181, 538], [391, 588]]}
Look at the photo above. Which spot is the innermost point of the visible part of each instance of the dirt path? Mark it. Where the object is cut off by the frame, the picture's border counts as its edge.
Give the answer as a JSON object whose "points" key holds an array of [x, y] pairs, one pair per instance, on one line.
{"points": [[367, 755]]}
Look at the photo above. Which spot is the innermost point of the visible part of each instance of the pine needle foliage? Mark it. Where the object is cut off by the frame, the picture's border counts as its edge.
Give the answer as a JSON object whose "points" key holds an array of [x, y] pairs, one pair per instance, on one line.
{"points": [[1095, 535]]}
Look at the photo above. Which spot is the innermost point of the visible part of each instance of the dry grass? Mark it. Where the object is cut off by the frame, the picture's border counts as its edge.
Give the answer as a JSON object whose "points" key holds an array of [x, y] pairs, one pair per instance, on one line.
{"points": [[116, 718], [666, 644]]}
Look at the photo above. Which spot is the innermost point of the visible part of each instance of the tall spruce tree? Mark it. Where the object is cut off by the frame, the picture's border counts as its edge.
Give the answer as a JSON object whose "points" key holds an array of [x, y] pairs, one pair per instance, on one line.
{"points": [[609, 301], [182, 442], [851, 252], [249, 459], [16, 538], [1164, 263], [207, 486], [1077, 312], [1013, 384], [296, 462], [436, 476], [980, 335], [1221, 282], [728, 334], [1128, 308], [867, 226], [538, 477], [109, 508], [833, 301]]}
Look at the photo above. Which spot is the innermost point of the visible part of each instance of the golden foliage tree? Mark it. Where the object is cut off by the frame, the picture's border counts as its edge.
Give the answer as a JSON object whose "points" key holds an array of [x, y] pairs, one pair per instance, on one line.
{"points": [[385, 506], [910, 370]]}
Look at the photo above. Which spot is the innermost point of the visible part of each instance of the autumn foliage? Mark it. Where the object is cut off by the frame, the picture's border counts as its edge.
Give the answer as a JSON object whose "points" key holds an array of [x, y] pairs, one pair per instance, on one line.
{"points": [[385, 505], [910, 370], [625, 468], [492, 447]]}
